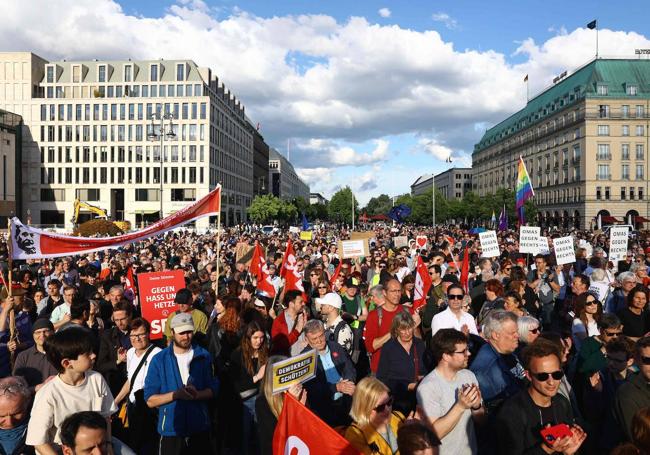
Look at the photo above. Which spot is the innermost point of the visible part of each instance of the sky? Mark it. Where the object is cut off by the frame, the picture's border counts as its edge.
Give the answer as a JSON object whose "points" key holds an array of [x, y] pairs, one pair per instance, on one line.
{"points": [[368, 94]]}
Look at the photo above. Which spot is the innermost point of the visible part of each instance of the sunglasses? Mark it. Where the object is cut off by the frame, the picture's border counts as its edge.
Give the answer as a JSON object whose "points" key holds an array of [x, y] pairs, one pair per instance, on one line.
{"points": [[382, 407], [612, 334], [534, 331], [557, 375], [455, 297], [645, 360], [322, 287], [507, 269], [591, 302]]}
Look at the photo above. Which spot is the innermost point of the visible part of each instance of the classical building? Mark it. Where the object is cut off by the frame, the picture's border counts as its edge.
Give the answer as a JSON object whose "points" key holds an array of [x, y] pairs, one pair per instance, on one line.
{"points": [[88, 136], [585, 144], [452, 183], [10, 156], [285, 183], [317, 198]]}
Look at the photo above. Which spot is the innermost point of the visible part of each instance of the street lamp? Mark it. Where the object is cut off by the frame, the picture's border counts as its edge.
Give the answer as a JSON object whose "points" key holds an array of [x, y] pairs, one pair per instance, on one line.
{"points": [[162, 133]]}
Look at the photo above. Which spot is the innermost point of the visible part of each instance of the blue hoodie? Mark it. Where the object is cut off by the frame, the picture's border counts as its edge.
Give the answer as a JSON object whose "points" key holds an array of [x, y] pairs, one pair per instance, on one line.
{"points": [[180, 417]]}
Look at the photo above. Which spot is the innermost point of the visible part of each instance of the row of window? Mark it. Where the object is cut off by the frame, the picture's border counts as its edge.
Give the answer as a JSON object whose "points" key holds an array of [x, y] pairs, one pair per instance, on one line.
{"points": [[124, 91], [603, 172], [558, 196], [121, 111], [603, 130], [630, 89], [120, 154], [605, 112], [603, 152], [627, 193], [119, 133], [104, 175], [141, 194], [155, 71]]}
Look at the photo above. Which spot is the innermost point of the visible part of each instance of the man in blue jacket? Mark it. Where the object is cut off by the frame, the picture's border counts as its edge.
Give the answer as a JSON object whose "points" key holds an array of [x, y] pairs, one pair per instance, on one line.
{"points": [[179, 383]]}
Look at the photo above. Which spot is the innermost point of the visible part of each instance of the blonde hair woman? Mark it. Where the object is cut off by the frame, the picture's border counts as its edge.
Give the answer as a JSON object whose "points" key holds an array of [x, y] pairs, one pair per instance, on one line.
{"points": [[374, 430]]}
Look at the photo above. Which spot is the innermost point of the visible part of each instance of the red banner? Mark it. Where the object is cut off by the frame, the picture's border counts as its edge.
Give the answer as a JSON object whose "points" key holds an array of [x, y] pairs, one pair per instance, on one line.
{"points": [[157, 291], [31, 243]]}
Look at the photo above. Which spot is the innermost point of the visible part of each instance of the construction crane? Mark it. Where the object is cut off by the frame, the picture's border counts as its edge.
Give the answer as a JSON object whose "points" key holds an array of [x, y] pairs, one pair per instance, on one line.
{"points": [[101, 213]]}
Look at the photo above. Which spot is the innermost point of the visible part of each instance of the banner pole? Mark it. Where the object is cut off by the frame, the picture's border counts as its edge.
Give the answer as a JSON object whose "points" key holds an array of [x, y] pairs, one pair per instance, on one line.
{"points": [[216, 289], [13, 335]]}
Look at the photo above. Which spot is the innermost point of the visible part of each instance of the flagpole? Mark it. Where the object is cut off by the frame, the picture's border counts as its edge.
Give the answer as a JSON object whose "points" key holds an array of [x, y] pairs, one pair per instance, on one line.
{"points": [[433, 201], [216, 289], [596, 40], [352, 208], [13, 335]]}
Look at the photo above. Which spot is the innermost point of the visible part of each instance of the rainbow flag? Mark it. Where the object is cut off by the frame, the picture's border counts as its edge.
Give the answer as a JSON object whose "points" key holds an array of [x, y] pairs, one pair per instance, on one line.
{"points": [[524, 189]]}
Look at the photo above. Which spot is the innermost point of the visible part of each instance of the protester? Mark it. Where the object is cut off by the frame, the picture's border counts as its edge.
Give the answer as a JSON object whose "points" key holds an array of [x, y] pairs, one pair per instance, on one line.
{"points": [[113, 345], [635, 317], [416, 438], [184, 303], [10, 347], [15, 402], [336, 328], [588, 312], [32, 364], [288, 325]]}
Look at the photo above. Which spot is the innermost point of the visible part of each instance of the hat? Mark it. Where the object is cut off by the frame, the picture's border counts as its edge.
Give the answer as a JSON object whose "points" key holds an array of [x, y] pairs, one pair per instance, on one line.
{"points": [[182, 322], [331, 299], [259, 303], [352, 283], [42, 323]]}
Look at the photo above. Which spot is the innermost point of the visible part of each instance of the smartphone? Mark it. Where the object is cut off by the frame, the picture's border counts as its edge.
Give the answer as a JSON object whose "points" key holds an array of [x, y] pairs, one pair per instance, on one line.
{"points": [[552, 434]]}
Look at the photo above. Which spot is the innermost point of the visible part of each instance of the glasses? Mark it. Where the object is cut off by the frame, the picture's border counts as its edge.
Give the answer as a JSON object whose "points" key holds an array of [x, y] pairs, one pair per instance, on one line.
{"points": [[645, 360], [322, 287], [464, 352], [382, 266], [556, 375], [382, 407], [312, 274], [138, 336], [591, 302], [534, 331], [612, 334], [455, 297]]}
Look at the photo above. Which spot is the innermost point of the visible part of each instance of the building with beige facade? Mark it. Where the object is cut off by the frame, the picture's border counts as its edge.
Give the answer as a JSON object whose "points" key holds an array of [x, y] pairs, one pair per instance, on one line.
{"points": [[285, 182], [87, 136], [452, 183], [585, 144], [10, 150]]}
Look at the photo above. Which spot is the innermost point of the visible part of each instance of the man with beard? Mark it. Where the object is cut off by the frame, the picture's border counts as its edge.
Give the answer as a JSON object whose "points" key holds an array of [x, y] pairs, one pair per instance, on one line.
{"points": [[179, 383]]}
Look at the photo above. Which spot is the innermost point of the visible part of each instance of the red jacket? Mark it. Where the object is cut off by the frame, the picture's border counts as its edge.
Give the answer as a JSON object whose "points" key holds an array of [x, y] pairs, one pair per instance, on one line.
{"points": [[281, 338], [373, 331]]}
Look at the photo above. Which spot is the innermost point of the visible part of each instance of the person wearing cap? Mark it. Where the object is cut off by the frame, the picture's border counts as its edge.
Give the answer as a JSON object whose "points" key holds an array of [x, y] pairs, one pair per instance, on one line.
{"points": [[183, 300], [32, 363], [23, 325], [180, 383], [336, 328]]}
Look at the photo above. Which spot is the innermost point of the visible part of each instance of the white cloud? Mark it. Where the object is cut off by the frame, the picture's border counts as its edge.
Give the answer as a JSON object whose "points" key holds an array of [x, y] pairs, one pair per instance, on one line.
{"points": [[384, 12], [446, 19], [315, 176], [435, 149], [327, 153]]}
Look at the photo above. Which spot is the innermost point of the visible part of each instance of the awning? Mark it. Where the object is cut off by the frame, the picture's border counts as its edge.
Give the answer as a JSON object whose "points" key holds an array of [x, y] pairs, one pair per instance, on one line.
{"points": [[641, 219], [609, 219]]}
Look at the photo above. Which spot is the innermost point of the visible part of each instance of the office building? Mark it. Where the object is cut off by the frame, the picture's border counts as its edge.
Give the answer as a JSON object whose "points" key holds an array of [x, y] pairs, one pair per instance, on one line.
{"points": [[317, 198], [285, 183], [584, 141], [452, 183], [260, 163], [10, 156], [88, 135]]}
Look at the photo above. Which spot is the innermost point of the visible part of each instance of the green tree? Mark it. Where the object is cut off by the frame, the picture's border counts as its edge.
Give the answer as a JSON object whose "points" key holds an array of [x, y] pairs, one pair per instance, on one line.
{"points": [[317, 212], [379, 205], [265, 208], [340, 207]]}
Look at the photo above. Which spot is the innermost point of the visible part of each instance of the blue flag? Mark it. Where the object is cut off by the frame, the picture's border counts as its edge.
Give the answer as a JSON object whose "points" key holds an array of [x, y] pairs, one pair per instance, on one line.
{"points": [[305, 223], [399, 212]]}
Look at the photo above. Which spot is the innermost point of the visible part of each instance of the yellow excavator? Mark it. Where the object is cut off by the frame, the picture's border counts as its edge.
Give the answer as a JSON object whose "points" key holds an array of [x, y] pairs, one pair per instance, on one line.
{"points": [[101, 213]]}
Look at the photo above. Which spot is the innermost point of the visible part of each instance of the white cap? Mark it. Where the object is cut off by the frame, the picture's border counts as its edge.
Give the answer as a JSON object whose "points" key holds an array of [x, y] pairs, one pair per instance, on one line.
{"points": [[259, 303], [331, 299]]}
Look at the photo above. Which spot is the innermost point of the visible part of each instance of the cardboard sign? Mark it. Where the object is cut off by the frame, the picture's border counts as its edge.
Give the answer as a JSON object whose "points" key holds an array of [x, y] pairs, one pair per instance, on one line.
{"points": [[294, 229], [400, 241], [306, 235], [244, 253], [353, 248], [564, 251], [362, 235], [421, 241], [294, 370], [618, 236], [157, 291], [529, 239], [489, 244], [543, 245]]}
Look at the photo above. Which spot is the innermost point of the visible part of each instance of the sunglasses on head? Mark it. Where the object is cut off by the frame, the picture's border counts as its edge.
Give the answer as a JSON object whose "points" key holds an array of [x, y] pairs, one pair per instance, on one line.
{"points": [[557, 375], [382, 407], [455, 297]]}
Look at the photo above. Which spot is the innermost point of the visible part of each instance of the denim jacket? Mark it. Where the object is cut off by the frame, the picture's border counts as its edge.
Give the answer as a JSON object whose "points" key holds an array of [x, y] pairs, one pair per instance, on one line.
{"points": [[496, 380]]}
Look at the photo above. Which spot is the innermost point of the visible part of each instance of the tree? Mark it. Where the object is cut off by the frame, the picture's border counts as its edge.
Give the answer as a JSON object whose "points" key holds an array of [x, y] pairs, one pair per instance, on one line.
{"points": [[380, 205], [317, 212], [264, 208], [340, 207]]}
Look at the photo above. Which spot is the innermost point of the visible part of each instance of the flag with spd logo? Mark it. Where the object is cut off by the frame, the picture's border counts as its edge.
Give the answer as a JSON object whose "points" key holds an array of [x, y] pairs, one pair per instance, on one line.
{"points": [[260, 271], [422, 284], [292, 278], [300, 432]]}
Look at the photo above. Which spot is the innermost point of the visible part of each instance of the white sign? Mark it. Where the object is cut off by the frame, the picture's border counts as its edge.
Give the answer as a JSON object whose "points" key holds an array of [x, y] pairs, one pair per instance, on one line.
{"points": [[489, 244], [294, 229], [400, 241], [529, 239], [618, 243], [421, 241], [564, 251], [353, 248], [600, 289], [543, 245]]}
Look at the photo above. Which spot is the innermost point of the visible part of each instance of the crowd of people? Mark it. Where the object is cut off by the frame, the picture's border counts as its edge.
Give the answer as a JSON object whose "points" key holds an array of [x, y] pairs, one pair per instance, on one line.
{"points": [[508, 355]]}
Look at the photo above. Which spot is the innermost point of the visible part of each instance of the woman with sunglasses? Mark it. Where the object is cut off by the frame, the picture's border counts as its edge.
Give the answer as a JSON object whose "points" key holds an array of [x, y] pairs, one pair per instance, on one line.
{"points": [[375, 426], [504, 271], [588, 310]]}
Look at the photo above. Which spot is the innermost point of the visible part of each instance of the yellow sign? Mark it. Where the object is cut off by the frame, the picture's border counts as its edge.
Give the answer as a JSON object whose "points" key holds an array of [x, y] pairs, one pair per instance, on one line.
{"points": [[294, 370], [306, 235]]}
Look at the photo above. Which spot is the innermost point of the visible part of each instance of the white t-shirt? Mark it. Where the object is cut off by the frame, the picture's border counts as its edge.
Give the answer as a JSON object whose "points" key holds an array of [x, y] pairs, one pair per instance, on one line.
{"points": [[183, 361], [132, 362], [56, 400], [59, 312], [448, 320]]}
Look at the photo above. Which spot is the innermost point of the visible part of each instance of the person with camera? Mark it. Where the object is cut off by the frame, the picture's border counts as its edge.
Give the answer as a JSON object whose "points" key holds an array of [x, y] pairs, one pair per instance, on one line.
{"points": [[539, 420], [544, 282]]}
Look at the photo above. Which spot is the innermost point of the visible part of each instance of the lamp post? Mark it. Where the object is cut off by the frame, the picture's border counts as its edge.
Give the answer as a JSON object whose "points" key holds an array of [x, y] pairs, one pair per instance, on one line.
{"points": [[433, 199], [162, 133]]}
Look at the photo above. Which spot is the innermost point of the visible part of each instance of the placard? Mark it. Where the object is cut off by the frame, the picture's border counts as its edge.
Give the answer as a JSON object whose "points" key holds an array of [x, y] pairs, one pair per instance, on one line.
{"points": [[294, 229], [618, 236], [306, 235], [600, 289], [564, 251], [362, 235], [489, 244], [543, 246], [157, 291], [354, 248], [529, 239], [421, 242], [294, 370], [401, 241]]}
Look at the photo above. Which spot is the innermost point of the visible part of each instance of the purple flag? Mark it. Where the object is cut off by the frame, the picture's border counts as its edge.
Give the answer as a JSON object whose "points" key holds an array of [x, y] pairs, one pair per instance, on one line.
{"points": [[503, 219]]}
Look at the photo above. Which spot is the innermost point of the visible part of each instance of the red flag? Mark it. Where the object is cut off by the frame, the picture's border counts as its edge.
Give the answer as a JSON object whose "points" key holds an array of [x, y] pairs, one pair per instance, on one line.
{"points": [[337, 272], [422, 284], [464, 272], [260, 271], [292, 278], [300, 431], [129, 282], [450, 240]]}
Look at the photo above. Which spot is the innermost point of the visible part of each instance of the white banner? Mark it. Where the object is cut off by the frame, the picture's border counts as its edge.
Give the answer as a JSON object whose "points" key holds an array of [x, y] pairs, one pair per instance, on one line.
{"points": [[489, 244], [618, 236], [529, 239], [564, 250]]}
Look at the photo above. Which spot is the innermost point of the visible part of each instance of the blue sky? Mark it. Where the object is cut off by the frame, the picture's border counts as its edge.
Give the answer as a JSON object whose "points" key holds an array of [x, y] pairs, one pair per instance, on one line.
{"points": [[368, 94]]}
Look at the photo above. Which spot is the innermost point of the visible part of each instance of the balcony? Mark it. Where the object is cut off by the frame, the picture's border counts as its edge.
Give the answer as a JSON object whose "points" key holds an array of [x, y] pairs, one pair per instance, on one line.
{"points": [[603, 176]]}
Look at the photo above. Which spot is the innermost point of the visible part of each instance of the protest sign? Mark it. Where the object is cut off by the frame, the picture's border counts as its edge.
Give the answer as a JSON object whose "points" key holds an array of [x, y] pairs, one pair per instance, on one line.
{"points": [[294, 229], [600, 289], [529, 239], [543, 245], [353, 248], [421, 241], [244, 253], [564, 251], [618, 243], [157, 291], [362, 235], [400, 241], [306, 235], [489, 244], [294, 370]]}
